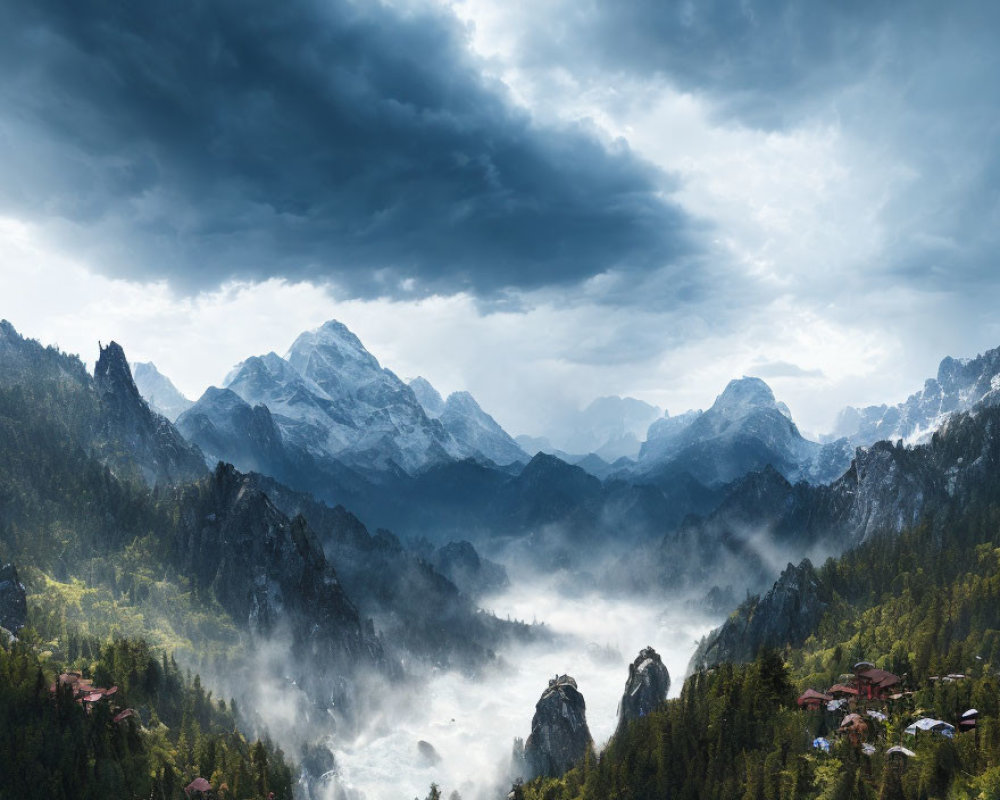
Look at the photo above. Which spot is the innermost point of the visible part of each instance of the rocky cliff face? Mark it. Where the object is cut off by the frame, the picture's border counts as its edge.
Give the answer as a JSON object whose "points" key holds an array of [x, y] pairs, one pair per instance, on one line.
{"points": [[786, 615], [559, 734], [646, 688], [13, 602], [418, 607], [226, 428], [270, 573], [130, 435]]}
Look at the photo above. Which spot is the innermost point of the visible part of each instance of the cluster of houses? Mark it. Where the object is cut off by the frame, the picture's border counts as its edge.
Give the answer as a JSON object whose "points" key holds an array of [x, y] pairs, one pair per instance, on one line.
{"points": [[88, 695], [871, 685]]}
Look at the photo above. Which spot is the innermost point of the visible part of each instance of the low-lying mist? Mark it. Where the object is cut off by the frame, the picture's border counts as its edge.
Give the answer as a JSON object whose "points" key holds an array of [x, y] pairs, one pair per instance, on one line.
{"points": [[471, 721]]}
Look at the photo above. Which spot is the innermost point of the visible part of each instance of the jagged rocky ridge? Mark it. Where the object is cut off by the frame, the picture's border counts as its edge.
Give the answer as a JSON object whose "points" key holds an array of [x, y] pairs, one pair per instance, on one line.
{"points": [[332, 399], [763, 520], [645, 690], [476, 432], [268, 570], [105, 414], [960, 385], [888, 488], [410, 594], [786, 615], [129, 431]]}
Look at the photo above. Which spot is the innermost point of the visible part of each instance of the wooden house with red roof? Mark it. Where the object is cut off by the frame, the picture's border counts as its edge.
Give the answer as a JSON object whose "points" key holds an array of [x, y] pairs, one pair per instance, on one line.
{"points": [[811, 700]]}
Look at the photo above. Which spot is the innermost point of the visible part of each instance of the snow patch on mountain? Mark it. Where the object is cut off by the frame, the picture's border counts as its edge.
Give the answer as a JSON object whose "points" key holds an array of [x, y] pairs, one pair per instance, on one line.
{"points": [[476, 432], [330, 397], [960, 385]]}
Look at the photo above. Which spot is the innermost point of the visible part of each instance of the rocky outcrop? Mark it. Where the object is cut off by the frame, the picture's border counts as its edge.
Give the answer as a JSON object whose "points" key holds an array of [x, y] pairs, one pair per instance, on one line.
{"points": [[647, 687], [419, 609], [786, 615], [269, 573], [13, 601], [130, 435], [559, 734]]}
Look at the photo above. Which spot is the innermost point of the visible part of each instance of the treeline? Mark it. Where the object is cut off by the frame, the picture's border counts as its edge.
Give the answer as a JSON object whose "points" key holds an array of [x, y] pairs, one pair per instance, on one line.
{"points": [[54, 747], [923, 604], [736, 734]]}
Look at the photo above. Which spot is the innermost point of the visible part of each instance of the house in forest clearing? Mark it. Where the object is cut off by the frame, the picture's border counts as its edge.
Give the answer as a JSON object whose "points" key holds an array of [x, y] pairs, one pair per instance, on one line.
{"points": [[873, 683], [811, 700]]}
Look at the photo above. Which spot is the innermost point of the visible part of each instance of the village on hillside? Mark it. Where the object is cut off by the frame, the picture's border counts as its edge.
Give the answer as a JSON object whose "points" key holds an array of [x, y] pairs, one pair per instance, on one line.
{"points": [[869, 697]]}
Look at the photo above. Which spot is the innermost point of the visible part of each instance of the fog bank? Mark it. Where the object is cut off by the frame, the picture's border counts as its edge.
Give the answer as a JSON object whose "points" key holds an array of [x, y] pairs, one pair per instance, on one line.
{"points": [[471, 722]]}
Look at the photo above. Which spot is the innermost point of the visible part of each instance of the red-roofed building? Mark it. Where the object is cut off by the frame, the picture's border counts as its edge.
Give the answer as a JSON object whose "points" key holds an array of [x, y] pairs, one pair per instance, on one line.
{"points": [[874, 683], [811, 700], [197, 786]]}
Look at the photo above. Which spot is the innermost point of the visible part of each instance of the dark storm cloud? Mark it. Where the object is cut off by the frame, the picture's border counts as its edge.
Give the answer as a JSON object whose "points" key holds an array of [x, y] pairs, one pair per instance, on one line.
{"points": [[764, 61], [352, 142]]}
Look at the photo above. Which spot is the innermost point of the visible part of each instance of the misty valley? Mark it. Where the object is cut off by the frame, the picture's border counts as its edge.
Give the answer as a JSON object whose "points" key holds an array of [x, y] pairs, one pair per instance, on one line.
{"points": [[320, 581]]}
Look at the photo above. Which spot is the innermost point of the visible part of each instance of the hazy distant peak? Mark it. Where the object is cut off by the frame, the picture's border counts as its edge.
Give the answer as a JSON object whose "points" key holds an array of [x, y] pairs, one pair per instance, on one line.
{"points": [[427, 396], [744, 395], [159, 391]]}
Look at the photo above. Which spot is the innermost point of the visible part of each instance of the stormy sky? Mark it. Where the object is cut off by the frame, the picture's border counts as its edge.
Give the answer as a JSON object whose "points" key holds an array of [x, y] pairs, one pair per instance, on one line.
{"points": [[541, 202]]}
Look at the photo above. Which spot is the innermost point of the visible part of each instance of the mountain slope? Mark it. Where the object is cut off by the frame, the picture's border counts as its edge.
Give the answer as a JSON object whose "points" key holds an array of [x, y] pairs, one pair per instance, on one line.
{"points": [[745, 430], [763, 520], [477, 431], [158, 390], [64, 512]]}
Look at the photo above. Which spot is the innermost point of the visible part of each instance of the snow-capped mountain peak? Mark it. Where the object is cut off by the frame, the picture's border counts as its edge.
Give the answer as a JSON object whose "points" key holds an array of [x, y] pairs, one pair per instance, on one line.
{"points": [[960, 385]]}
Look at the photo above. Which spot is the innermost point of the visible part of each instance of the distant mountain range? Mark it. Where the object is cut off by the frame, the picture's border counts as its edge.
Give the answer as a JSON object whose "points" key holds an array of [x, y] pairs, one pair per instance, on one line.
{"points": [[960, 385], [611, 428], [745, 430], [329, 420]]}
